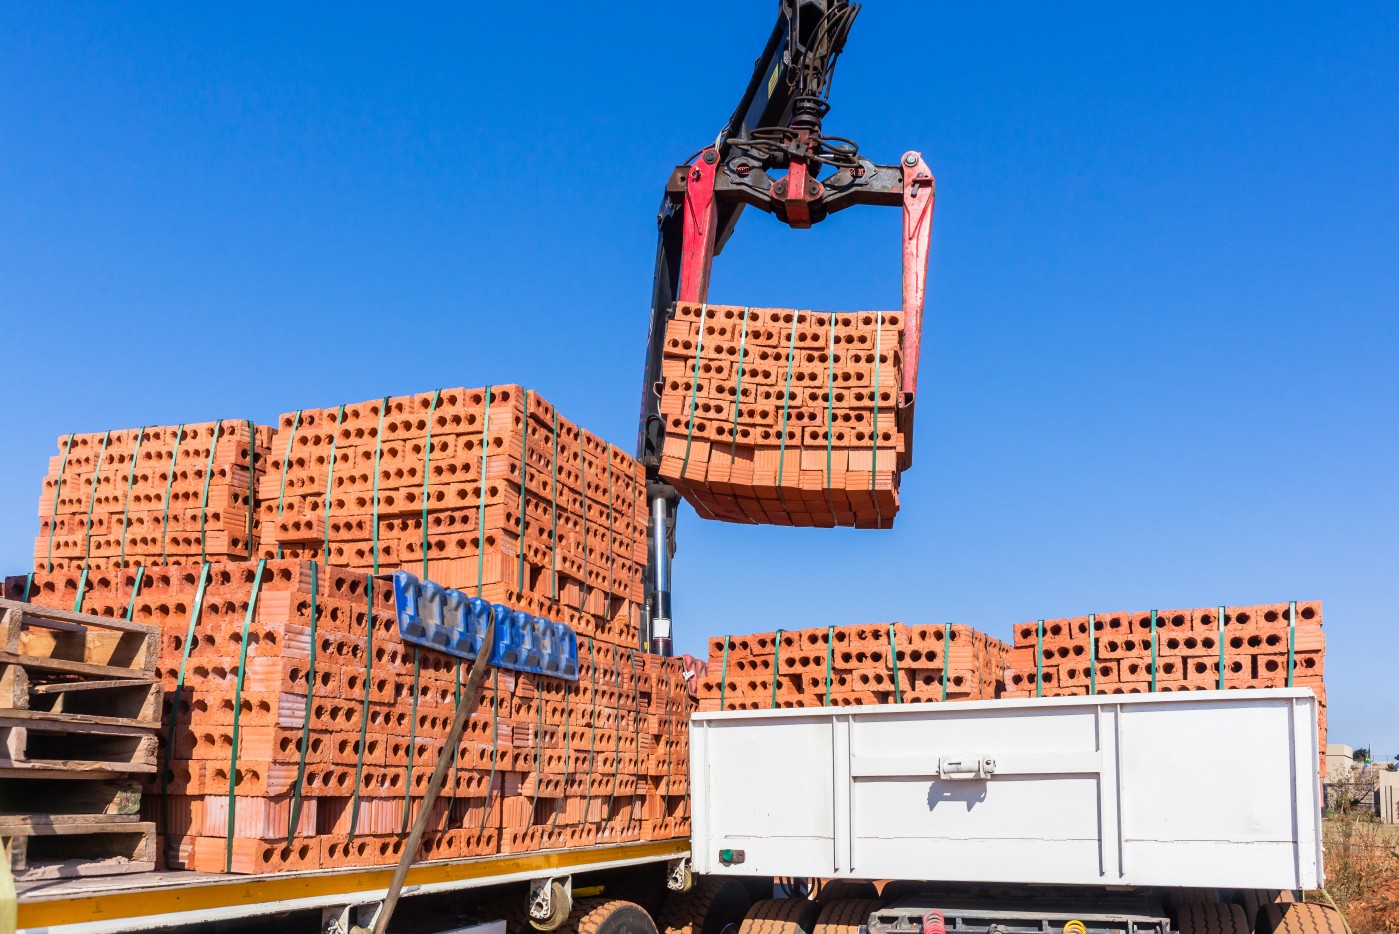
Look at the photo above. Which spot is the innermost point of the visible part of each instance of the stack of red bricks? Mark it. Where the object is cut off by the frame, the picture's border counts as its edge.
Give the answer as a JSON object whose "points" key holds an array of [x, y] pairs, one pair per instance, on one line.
{"points": [[851, 665], [784, 417], [1111, 653], [558, 527], [339, 725], [160, 495]]}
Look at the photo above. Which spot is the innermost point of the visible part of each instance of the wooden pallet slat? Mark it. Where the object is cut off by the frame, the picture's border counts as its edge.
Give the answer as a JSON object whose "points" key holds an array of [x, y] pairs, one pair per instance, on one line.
{"points": [[59, 640], [44, 846]]}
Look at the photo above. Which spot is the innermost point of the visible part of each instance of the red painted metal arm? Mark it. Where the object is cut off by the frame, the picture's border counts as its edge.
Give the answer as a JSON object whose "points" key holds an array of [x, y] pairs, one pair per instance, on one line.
{"points": [[699, 220], [918, 223]]}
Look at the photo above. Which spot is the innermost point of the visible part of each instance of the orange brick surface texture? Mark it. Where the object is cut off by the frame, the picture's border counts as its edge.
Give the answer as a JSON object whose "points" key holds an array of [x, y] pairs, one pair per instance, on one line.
{"points": [[851, 665], [157, 495], [486, 490], [340, 724], [784, 417], [1111, 653]]}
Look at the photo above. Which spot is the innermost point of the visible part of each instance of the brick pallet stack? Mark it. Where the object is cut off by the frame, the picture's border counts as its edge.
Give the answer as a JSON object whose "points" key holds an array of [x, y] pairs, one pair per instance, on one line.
{"points": [[159, 495], [563, 513], [784, 417], [339, 726], [338, 722], [851, 665], [1252, 644]]}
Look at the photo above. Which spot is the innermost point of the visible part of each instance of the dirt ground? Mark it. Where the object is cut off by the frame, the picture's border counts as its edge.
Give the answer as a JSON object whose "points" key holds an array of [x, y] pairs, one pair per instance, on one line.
{"points": [[1362, 873]]}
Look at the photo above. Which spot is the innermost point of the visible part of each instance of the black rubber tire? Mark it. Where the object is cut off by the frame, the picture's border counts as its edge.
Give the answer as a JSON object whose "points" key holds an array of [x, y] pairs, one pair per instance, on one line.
{"points": [[845, 889], [781, 916], [1212, 918], [845, 915], [1300, 918], [641, 885], [1253, 900], [608, 916], [711, 905]]}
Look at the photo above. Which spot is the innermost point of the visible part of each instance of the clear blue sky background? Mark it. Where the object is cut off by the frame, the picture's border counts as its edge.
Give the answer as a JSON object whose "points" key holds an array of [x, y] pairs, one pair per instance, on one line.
{"points": [[1160, 362]]}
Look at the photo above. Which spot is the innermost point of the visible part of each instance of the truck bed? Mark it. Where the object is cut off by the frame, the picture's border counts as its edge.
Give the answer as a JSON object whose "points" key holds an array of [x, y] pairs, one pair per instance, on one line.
{"points": [[139, 901], [1214, 789]]}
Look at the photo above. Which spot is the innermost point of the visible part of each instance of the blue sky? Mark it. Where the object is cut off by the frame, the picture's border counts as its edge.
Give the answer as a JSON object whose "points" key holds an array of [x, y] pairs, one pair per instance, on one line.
{"points": [[1159, 362]]}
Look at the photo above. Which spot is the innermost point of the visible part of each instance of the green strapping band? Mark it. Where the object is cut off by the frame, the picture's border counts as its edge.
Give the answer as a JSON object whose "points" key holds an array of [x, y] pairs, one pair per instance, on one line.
{"points": [[1220, 626], [616, 734], [412, 742], [894, 657], [329, 481], [636, 739], [524, 478], [874, 427], [495, 744], [694, 389], [238, 710], [738, 388], [830, 400], [130, 481], [611, 532], [169, 482], [82, 591], [194, 614], [208, 476], [252, 484], [364, 710], [28, 586], [92, 500], [306, 716], [1153, 651], [583, 484], [1039, 659], [378, 453], [776, 657], [538, 744], [286, 460], [481, 505], [830, 659], [1092, 653], [58, 491], [554, 504], [946, 656], [1291, 640], [135, 589], [592, 731], [786, 399], [427, 463], [670, 736], [724, 674]]}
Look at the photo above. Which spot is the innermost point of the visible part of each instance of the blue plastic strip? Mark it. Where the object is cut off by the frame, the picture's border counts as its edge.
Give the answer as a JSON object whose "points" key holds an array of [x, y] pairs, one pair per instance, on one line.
{"points": [[446, 620]]}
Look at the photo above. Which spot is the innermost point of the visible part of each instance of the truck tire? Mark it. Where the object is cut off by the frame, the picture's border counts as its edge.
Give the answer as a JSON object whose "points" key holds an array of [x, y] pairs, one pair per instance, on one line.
{"points": [[845, 916], [1253, 900], [713, 904], [608, 916], [1212, 918], [780, 916], [837, 889], [1300, 918]]}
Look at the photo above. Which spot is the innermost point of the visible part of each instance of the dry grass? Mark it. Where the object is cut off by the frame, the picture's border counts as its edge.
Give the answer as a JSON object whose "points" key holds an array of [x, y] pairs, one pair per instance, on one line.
{"points": [[1362, 872]]}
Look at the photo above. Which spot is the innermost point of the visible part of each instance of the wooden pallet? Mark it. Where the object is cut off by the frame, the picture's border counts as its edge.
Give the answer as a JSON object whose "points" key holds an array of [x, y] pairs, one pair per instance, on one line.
{"points": [[112, 700], [44, 639], [62, 846], [77, 744]]}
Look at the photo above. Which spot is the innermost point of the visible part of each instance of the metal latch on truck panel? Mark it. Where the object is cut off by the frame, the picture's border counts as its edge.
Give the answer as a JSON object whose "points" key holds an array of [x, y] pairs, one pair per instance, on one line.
{"points": [[961, 767]]}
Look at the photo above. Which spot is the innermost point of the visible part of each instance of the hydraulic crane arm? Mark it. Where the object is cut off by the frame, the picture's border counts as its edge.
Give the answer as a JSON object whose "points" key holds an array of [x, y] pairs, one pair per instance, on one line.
{"points": [[772, 155]]}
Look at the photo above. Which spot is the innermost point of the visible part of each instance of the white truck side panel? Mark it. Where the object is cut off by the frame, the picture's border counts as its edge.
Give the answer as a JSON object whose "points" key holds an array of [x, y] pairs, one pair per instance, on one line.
{"points": [[1213, 789]]}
